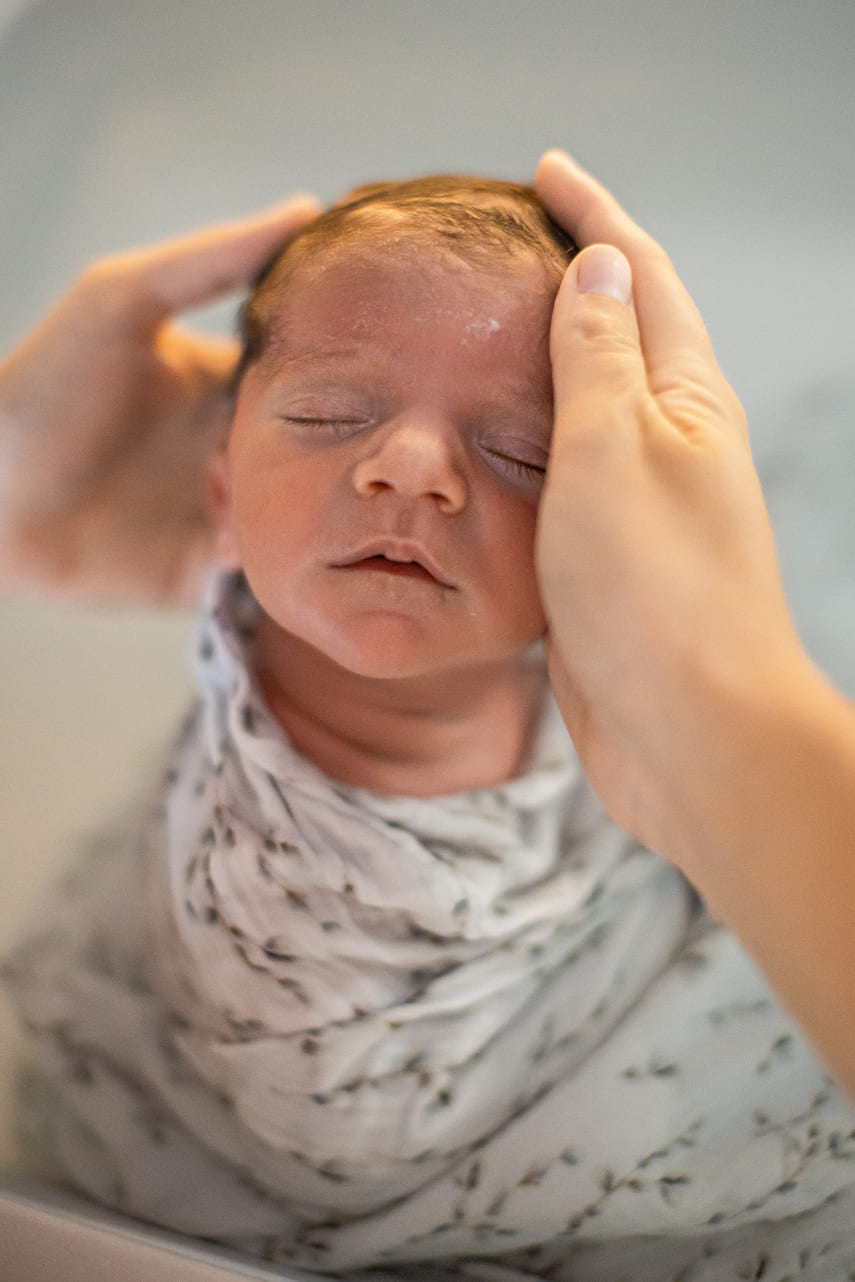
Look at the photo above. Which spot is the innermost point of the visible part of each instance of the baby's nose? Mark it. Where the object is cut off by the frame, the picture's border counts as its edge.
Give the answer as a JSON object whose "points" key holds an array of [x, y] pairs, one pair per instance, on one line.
{"points": [[415, 461]]}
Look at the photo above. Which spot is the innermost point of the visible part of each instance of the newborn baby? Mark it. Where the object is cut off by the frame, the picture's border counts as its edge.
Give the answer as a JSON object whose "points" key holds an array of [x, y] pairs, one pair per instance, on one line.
{"points": [[370, 979]]}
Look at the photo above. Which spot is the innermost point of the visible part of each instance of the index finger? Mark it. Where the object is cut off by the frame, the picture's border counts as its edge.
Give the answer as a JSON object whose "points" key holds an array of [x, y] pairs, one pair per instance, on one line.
{"points": [[192, 270], [669, 323]]}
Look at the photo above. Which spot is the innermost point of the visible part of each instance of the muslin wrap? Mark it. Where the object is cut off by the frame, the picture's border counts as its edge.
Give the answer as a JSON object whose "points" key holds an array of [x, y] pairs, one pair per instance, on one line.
{"points": [[484, 1031]]}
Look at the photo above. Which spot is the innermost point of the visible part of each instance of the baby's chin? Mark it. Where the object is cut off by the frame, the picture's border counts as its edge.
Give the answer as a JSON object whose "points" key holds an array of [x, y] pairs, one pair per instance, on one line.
{"points": [[380, 650], [393, 651]]}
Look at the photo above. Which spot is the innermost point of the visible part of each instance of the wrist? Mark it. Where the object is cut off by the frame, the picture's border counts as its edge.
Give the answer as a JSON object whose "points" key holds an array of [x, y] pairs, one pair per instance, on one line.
{"points": [[769, 842], [761, 748]]}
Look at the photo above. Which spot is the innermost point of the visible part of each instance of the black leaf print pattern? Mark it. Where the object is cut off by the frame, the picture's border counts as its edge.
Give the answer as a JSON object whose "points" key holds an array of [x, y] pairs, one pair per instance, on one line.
{"points": [[439, 1036]]}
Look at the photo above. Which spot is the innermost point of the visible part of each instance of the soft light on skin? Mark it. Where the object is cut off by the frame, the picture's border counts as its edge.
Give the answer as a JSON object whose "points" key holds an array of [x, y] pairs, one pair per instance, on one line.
{"points": [[381, 482]]}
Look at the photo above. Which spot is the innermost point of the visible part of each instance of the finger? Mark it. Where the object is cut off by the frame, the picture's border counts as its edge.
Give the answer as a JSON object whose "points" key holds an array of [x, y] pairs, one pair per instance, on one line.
{"points": [[215, 355], [585, 208], [207, 264], [673, 336], [598, 367]]}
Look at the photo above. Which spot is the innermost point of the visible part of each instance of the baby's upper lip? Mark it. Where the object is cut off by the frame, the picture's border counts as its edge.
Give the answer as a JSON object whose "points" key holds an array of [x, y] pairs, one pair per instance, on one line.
{"points": [[401, 550]]}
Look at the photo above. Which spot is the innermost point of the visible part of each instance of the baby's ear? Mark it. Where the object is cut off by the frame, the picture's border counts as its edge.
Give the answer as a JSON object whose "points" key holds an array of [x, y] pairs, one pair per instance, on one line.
{"points": [[218, 498]]}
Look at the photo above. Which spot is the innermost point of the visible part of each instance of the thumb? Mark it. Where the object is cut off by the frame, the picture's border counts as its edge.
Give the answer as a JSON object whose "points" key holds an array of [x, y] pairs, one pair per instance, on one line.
{"points": [[594, 339]]}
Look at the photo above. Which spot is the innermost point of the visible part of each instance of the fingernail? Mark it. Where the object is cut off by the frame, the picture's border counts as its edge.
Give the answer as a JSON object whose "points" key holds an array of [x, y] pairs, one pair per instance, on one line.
{"points": [[604, 270]]}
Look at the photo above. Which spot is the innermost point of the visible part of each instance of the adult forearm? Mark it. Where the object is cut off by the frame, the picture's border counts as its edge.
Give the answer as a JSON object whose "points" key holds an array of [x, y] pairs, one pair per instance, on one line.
{"points": [[767, 812]]}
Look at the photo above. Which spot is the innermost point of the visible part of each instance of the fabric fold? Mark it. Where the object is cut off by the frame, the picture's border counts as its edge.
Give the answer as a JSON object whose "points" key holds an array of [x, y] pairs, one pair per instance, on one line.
{"points": [[347, 1030]]}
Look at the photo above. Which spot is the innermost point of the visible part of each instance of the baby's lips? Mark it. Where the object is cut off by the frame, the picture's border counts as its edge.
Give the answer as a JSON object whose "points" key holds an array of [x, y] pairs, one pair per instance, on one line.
{"points": [[401, 552]]}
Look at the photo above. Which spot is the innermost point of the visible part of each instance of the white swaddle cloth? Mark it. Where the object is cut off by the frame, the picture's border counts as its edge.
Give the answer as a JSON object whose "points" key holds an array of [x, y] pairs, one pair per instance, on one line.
{"points": [[346, 1030]]}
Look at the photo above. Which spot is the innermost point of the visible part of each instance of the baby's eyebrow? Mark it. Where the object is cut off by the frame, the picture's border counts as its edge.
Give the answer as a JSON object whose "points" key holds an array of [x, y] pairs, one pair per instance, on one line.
{"points": [[278, 359], [310, 358]]}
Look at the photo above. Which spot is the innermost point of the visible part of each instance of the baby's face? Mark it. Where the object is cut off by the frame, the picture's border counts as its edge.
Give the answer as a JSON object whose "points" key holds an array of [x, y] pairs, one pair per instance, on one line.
{"points": [[382, 478]]}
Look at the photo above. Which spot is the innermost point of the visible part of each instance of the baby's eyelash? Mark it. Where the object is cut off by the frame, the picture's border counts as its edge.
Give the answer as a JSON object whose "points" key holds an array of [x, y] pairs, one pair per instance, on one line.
{"points": [[300, 420], [517, 467], [530, 469]]}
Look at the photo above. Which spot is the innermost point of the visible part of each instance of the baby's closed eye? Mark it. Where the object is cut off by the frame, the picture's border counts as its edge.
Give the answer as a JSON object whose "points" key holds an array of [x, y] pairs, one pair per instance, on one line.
{"points": [[515, 456], [334, 424]]}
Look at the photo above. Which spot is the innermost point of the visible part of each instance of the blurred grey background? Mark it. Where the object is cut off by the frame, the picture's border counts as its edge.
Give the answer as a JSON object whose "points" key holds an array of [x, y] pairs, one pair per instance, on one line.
{"points": [[726, 126]]}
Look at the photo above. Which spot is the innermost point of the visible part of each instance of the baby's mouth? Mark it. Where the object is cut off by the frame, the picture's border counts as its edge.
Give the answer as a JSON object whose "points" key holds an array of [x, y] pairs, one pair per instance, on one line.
{"points": [[400, 569], [396, 559], [404, 569]]}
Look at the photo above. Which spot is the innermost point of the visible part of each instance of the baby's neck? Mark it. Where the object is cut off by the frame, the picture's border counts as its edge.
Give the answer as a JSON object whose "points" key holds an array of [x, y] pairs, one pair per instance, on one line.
{"points": [[422, 738]]}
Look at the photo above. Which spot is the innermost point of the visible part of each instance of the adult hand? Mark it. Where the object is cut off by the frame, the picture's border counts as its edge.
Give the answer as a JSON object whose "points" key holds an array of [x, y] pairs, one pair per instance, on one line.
{"points": [[699, 719], [109, 413], [655, 553]]}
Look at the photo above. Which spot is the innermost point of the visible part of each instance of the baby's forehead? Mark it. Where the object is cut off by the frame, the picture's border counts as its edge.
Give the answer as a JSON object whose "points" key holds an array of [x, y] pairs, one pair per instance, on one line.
{"points": [[457, 230], [386, 321], [417, 263]]}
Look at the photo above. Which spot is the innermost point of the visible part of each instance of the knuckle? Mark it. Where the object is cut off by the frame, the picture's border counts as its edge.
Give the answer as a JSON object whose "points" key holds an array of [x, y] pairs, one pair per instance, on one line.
{"points": [[599, 323], [699, 392]]}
